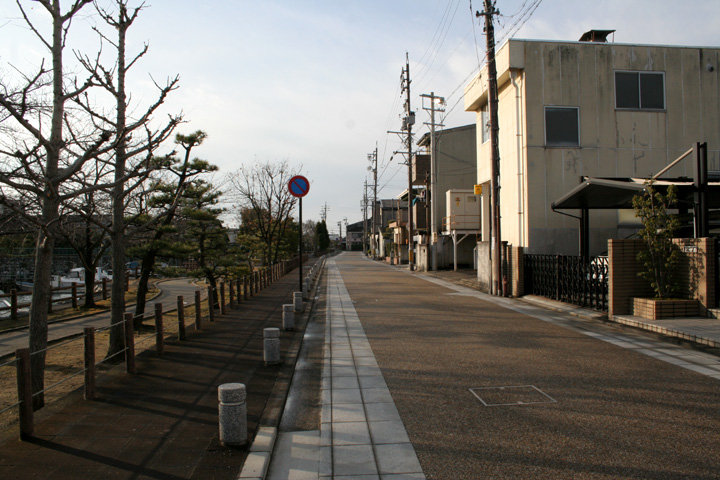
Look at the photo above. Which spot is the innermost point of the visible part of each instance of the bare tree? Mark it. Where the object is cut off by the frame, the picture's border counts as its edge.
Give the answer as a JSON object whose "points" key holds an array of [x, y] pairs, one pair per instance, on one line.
{"points": [[134, 145], [50, 146], [265, 203]]}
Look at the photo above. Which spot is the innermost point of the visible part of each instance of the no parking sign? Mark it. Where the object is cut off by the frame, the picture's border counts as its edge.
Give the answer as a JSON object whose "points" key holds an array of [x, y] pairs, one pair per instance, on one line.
{"points": [[298, 186]]}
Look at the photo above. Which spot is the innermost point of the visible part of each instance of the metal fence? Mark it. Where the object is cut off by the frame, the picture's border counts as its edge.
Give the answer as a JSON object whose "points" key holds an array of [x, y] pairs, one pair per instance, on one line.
{"points": [[581, 281]]}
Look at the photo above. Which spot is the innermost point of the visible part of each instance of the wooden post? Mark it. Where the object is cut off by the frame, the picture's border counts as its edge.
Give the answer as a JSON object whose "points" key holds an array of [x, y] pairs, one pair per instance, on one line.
{"points": [[89, 337], [159, 330], [211, 303], [24, 389], [73, 288], [231, 292], [246, 289], [181, 317], [127, 283], [222, 298], [129, 344], [50, 300], [104, 289], [198, 310], [13, 304]]}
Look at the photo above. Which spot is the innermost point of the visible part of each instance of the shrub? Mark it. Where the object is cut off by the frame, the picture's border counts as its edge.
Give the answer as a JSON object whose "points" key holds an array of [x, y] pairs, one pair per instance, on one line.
{"points": [[661, 257]]}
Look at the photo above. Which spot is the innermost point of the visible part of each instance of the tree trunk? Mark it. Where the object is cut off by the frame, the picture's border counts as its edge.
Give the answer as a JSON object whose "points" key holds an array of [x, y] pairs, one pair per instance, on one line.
{"points": [[89, 289], [38, 329], [142, 290], [117, 303]]}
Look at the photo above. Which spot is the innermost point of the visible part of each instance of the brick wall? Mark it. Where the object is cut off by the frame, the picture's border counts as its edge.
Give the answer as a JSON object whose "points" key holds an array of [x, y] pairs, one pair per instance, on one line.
{"points": [[624, 283], [696, 270]]}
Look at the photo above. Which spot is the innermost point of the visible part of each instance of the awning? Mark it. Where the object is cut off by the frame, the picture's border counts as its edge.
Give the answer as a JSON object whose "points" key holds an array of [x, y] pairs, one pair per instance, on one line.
{"points": [[600, 193], [605, 193]]}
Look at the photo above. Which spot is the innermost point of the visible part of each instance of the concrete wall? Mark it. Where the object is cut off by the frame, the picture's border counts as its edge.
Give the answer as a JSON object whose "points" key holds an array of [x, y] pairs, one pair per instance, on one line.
{"points": [[613, 143]]}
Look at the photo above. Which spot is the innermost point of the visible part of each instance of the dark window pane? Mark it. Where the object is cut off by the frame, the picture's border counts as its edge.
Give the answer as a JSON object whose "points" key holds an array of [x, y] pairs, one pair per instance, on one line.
{"points": [[561, 126], [652, 91], [627, 90]]}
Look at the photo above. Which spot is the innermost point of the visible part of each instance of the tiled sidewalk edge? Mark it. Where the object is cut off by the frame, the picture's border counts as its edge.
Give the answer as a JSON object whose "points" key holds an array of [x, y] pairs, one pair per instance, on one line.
{"points": [[670, 332], [260, 451]]}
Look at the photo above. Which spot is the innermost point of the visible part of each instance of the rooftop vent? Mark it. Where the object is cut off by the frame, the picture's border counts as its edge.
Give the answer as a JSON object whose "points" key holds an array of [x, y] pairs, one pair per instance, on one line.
{"points": [[599, 36]]}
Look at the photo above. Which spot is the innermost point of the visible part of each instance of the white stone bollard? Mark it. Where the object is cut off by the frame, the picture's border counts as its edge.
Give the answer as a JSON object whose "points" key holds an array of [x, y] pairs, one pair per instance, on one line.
{"points": [[271, 346], [232, 414], [288, 317], [305, 290], [297, 301]]}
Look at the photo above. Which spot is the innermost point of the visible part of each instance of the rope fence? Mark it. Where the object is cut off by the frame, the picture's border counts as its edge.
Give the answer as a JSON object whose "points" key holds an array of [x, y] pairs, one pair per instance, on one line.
{"points": [[169, 324]]}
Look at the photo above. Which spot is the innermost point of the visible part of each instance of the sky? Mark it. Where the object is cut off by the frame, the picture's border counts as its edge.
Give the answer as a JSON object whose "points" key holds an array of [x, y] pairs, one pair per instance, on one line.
{"points": [[316, 83]]}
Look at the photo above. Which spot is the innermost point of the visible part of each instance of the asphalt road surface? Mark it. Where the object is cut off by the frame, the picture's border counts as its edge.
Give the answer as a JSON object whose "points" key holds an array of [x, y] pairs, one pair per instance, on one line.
{"points": [[170, 289], [489, 392]]}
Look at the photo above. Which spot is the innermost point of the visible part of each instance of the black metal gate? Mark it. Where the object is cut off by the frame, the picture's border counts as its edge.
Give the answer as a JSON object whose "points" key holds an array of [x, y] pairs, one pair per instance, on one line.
{"points": [[581, 281]]}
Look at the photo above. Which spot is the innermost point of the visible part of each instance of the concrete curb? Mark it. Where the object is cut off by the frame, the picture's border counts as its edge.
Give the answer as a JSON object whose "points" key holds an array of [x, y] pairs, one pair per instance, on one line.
{"points": [[637, 322], [566, 308], [261, 450]]}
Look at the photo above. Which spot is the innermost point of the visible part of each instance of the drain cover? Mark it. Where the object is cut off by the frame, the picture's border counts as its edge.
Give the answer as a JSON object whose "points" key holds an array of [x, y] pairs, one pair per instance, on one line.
{"points": [[512, 395]]}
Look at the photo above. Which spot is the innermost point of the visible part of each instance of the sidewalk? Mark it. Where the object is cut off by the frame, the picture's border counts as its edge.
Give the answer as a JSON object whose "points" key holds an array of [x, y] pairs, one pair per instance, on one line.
{"points": [[361, 433], [161, 422], [702, 331], [417, 415]]}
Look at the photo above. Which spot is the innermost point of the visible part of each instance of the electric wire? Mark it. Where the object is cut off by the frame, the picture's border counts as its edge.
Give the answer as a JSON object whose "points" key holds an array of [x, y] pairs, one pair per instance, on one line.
{"points": [[423, 71], [429, 59]]}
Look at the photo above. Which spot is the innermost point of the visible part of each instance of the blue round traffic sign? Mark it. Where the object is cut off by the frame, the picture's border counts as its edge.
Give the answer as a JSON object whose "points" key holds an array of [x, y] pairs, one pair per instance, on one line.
{"points": [[298, 186]]}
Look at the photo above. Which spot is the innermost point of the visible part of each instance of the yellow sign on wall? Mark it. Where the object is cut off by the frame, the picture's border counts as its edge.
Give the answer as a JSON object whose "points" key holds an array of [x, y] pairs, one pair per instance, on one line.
{"points": [[478, 189]]}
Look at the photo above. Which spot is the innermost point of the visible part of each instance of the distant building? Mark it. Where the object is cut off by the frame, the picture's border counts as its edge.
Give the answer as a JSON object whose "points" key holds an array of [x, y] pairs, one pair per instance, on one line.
{"points": [[456, 169]]}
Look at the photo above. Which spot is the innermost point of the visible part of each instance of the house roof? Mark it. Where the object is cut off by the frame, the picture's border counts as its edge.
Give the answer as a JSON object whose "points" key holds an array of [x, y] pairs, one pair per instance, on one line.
{"points": [[425, 139], [617, 193]]}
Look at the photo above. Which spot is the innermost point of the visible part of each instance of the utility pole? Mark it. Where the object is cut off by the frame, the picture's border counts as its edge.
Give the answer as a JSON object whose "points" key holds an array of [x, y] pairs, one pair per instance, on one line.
{"points": [[496, 239], [408, 122], [364, 209], [372, 157], [323, 212], [433, 174]]}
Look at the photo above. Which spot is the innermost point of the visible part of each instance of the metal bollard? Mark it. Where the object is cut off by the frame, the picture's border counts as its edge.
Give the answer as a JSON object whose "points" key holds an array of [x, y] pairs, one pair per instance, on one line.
{"points": [[271, 346], [288, 317], [297, 301], [232, 414]]}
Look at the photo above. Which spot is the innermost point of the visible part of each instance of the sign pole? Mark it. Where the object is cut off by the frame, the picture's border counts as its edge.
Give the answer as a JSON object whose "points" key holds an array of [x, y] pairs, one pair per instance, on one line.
{"points": [[301, 243], [299, 187]]}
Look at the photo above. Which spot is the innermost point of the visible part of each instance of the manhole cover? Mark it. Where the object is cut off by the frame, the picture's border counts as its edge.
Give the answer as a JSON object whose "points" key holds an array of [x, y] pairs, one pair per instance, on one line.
{"points": [[512, 395]]}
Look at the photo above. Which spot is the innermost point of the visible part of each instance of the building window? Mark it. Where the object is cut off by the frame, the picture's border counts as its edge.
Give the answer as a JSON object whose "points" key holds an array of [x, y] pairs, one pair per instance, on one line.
{"points": [[485, 120], [562, 126], [640, 90]]}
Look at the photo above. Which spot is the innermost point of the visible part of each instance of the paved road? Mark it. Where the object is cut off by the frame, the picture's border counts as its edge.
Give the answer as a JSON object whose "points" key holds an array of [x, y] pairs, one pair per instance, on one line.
{"points": [[492, 388], [170, 289]]}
